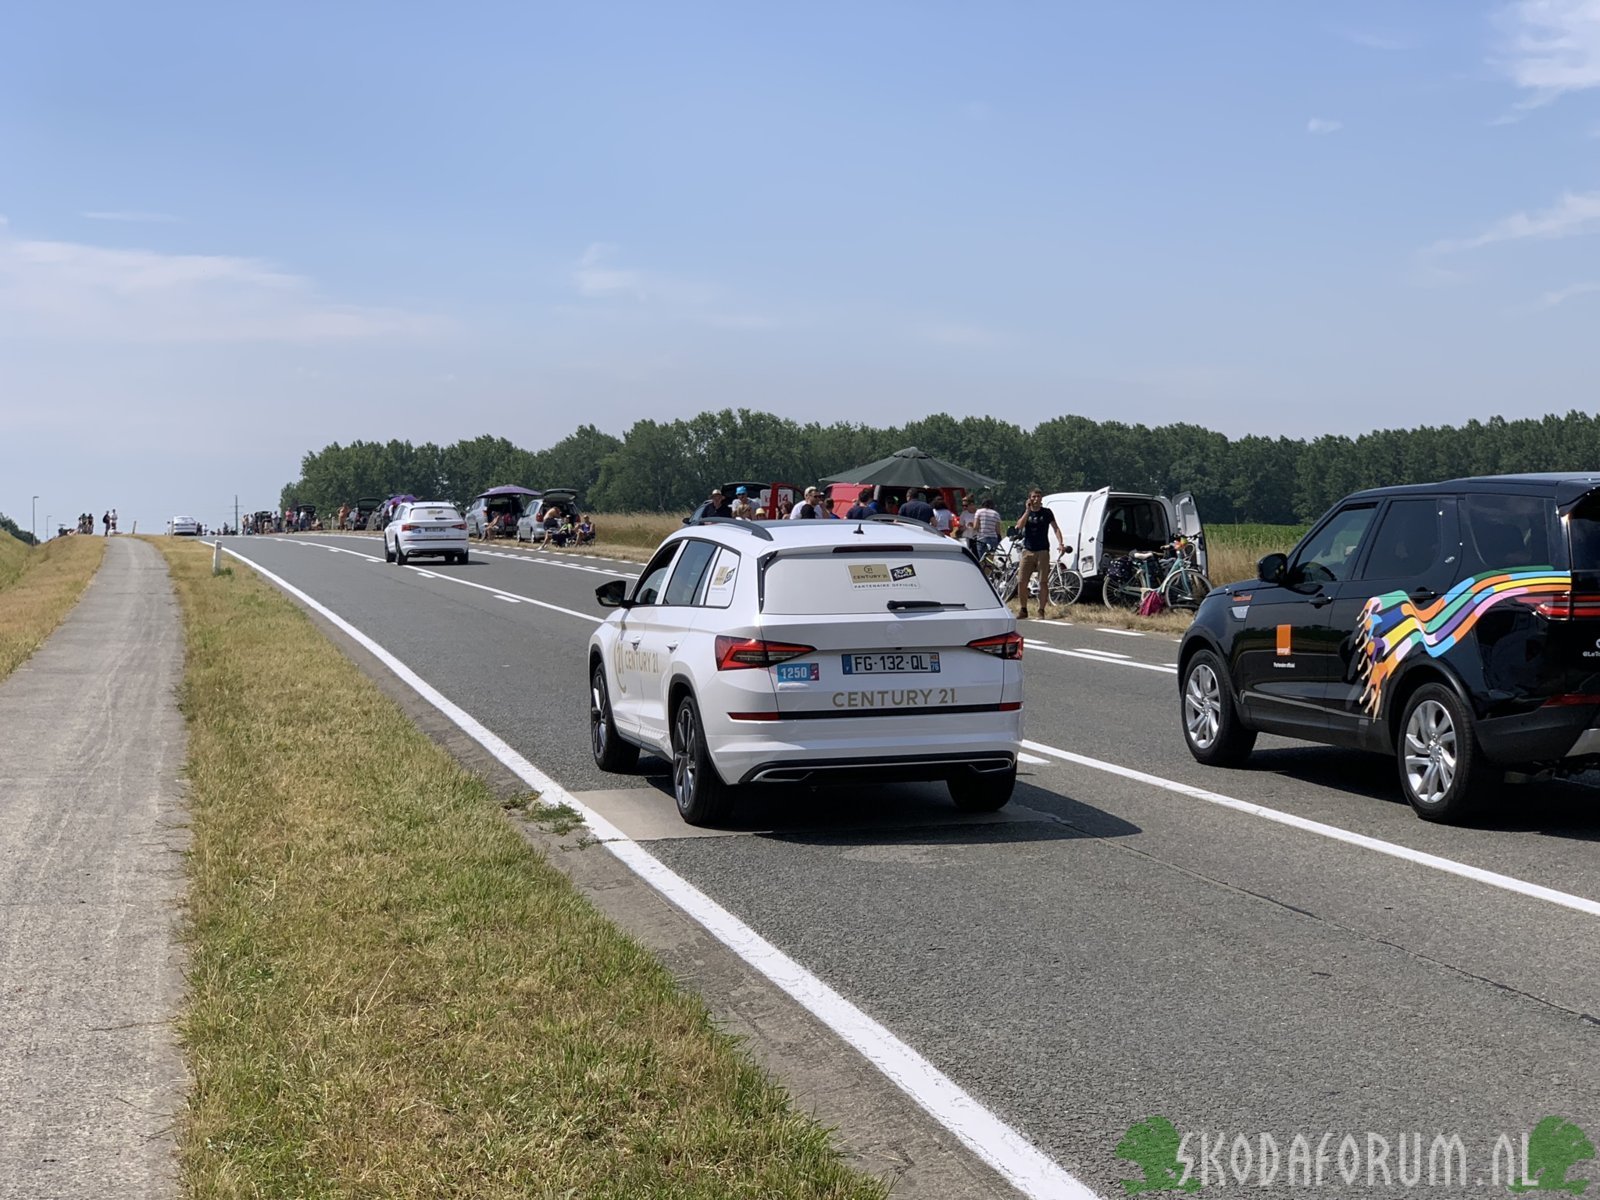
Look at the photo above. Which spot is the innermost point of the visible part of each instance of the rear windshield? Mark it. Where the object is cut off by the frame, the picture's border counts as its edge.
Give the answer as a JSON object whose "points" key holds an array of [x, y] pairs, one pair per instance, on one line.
{"points": [[821, 583], [1583, 533], [434, 512]]}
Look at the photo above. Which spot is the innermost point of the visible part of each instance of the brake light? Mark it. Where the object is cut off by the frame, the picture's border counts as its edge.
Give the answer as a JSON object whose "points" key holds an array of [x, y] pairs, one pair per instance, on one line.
{"points": [[1001, 645], [738, 654], [407, 528], [1565, 608], [1570, 700], [459, 525]]}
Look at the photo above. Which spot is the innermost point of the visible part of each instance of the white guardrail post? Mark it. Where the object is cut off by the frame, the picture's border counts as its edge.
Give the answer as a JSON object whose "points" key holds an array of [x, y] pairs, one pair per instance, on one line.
{"points": [[216, 557]]}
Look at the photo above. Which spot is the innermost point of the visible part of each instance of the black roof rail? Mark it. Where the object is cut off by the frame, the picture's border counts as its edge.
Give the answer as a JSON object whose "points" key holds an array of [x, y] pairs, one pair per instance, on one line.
{"points": [[897, 519], [748, 526]]}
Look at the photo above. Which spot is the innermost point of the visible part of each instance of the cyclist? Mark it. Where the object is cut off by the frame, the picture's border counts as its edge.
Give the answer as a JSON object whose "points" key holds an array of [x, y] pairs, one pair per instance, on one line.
{"points": [[1035, 525]]}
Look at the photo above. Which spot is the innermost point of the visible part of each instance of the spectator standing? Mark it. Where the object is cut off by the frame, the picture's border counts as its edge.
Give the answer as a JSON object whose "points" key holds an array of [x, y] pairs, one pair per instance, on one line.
{"points": [[969, 522], [113, 520], [344, 515], [917, 507], [943, 519], [785, 508], [987, 523], [827, 509], [863, 508], [809, 509], [1035, 525], [105, 522]]}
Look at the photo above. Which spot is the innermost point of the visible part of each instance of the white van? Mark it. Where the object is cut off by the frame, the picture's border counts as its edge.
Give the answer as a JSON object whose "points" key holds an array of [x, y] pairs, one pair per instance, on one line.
{"points": [[1100, 526]]}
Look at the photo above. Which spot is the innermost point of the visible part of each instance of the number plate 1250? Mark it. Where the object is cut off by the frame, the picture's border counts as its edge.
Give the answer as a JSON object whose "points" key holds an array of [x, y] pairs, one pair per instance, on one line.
{"points": [[898, 662]]}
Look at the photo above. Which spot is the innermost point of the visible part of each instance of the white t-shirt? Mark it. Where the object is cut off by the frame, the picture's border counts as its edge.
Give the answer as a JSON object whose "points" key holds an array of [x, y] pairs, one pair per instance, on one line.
{"points": [[943, 519], [799, 508]]}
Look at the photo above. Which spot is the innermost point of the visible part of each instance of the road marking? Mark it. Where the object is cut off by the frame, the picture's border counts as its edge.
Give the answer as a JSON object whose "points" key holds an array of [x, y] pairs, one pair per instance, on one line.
{"points": [[1027, 1168], [509, 599], [1032, 759], [1118, 632], [1102, 653], [1099, 657], [505, 595], [1436, 862]]}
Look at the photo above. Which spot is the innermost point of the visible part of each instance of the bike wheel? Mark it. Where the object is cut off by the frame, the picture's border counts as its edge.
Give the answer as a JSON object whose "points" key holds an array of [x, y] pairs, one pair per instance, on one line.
{"points": [[1124, 594], [1066, 585], [1185, 588]]}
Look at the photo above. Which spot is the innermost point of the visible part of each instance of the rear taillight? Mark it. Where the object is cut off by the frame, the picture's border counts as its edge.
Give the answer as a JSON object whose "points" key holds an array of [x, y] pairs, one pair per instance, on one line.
{"points": [[459, 525], [1565, 608], [737, 654], [1001, 645], [1570, 700], [407, 528]]}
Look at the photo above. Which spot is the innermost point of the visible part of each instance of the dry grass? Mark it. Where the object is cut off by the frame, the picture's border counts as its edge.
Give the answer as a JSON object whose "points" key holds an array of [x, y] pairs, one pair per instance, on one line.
{"points": [[38, 587], [392, 994]]}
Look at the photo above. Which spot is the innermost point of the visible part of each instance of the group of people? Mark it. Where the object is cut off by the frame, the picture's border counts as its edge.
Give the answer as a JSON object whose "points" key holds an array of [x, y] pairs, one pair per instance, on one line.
{"points": [[978, 524], [108, 522]]}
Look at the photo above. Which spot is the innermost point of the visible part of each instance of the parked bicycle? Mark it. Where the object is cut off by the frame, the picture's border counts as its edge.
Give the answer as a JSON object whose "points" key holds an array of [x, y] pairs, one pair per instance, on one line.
{"points": [[1171, 573], [1002, 566]]}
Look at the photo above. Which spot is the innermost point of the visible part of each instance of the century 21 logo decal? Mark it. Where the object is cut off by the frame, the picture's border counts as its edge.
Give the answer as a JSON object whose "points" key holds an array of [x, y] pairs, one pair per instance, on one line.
{"points": [[1538, 1161]]}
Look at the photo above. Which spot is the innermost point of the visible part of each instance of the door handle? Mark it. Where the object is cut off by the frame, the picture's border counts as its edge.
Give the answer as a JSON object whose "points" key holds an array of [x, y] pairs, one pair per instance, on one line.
{"points": [[1320, 600], [672, 645], [635, 643], [1423, 594]]}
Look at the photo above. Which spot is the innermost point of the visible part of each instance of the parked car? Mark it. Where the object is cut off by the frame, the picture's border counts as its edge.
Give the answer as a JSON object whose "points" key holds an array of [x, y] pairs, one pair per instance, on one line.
{"points": [[497, 508], [425, 527], [184, 527], [1455, 626], [808, 652], [531, 525], [362, 512], [1104, 525]]}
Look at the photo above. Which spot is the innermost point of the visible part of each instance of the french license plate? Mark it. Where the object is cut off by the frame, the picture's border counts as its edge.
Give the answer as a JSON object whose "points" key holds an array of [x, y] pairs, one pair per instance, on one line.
{"points": [[895, 662]]}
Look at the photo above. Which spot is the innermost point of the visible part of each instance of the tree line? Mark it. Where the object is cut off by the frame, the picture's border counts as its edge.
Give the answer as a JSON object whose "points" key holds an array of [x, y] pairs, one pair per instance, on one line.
{"points": [[668, 466]]}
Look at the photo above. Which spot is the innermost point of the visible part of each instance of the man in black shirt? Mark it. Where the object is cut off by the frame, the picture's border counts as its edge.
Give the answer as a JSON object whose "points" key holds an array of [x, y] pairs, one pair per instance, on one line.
{"points": [[917, 508], [1035, 525], [714, 507]]}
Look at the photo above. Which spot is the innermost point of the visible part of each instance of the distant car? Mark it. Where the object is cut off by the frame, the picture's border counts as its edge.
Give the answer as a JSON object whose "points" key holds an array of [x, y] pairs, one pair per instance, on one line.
{"points": [[808, 652], [362, 511], [425, 527], [185, 527], [497, 509], [535, 518]]}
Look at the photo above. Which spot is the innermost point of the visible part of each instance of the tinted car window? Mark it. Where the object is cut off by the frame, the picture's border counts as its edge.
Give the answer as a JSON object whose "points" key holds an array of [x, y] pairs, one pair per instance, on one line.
{"points": [[1508, 531], [1583, 525], [1407, 541], [648, 590], [1331, 553], [690, 569]]}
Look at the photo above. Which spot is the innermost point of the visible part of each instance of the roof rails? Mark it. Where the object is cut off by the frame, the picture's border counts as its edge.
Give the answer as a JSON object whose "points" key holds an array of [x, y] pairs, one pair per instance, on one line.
{"points": [[734, 521]]}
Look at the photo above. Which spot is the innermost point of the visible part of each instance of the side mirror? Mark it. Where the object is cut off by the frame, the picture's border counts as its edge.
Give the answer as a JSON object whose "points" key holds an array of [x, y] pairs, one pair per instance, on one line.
{"points": [[1272, 568], [613, 594]]}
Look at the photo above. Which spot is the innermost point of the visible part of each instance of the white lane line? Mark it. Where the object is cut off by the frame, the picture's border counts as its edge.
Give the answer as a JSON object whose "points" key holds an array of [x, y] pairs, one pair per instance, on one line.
{"points": [[1091, 656], [1027, 1168], [1032, 759], [1052, 621], [509, 599], [1436, 862], [1119, 632], [1101, 653], [505, 595]]}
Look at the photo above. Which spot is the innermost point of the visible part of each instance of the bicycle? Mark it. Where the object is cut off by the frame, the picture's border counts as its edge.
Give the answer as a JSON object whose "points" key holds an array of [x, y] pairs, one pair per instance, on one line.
{"points": [[1063, 584], [1174, 575]]}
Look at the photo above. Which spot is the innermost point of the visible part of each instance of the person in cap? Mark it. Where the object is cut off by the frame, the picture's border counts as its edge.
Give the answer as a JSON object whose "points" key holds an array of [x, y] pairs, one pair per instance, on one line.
{"points": [[715, 506], [741, 507]]}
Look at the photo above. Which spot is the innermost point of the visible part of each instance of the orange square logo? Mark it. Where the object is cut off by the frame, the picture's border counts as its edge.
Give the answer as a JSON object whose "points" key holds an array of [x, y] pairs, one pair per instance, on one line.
{"points": [[1284, 649]]}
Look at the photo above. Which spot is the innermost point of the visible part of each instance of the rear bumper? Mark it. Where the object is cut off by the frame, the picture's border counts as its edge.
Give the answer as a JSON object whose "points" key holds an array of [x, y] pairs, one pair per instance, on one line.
{"points": [[1545, 735], [889, 769], [425, 546]]}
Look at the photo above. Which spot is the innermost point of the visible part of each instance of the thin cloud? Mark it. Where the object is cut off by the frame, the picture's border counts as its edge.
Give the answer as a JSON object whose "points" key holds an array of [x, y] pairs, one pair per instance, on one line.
{"points": [[1372, 40], [1562, 295], [1319, 125], [598, 276], [71, 290], [136, 218], [1551, 47], [1575, 214]]}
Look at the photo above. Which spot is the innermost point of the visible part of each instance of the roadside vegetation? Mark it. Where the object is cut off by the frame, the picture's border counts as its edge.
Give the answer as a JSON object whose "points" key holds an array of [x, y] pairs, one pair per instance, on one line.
{"points": [[392, 993], [38, 587]]}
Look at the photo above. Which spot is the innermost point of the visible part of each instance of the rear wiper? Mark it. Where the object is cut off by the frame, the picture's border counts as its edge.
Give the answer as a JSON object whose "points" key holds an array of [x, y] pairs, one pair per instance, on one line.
{"points": [[897, 605]]}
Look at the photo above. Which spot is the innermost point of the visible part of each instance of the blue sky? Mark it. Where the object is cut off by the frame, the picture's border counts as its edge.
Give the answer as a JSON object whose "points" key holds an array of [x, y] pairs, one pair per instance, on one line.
{"points": [[232, 237]]}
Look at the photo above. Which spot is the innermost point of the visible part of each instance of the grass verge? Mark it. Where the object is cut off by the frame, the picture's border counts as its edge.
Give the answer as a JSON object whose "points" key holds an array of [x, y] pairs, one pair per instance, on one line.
{"points": [[392, 994], [38, 587]]}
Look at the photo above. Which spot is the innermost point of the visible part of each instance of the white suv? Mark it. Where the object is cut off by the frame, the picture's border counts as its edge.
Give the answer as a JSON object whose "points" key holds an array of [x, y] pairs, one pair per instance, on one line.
{"points": [[425, 527], [789, 651]]}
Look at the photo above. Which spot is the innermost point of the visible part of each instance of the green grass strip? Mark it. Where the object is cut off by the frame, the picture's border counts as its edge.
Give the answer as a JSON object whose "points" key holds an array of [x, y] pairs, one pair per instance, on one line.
{"points": [[38, 588], [392, 994]]}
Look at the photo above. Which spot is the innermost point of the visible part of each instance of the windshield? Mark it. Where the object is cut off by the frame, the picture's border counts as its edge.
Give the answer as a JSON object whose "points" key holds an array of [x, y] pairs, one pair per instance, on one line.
{"points": [[815, 584]]}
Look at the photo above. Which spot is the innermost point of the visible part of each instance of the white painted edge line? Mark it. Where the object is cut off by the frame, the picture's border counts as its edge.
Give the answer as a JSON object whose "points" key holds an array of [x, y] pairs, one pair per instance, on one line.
{"points": [[1092, 656], [1422, 858], [1023, 1165], [1032, 759], [1119, 632]]}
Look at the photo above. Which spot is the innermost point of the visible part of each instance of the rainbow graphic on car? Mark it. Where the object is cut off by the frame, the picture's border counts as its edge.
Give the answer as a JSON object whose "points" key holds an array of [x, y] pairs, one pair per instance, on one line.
{"points": [[1392, 626]]}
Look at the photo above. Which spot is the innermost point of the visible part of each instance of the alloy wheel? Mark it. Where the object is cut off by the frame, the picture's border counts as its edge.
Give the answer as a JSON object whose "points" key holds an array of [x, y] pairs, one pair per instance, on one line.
{"points": [[597, 715], [685, 756], [1202, 706], [1430, 750]]}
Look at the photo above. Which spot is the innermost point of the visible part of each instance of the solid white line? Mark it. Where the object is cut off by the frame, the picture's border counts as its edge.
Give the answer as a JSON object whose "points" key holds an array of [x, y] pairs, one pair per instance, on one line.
{"points": [[1032, 759], [509, 599], [1421, 857], [1101, 653], [1119, 632], [1026, 1167], [1091, 656]]}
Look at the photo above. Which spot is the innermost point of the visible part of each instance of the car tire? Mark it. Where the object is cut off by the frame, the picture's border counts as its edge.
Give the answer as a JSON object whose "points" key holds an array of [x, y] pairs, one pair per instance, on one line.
{"points": [[703, 798], [611, 753], [400, 556], [984, 792], [462, 557], [388, 554], [1212, 727], [1442, 772]]}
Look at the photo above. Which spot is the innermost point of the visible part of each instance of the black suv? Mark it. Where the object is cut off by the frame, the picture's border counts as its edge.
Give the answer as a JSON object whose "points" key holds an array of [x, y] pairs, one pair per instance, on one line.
{"points": [[1454, 625]]}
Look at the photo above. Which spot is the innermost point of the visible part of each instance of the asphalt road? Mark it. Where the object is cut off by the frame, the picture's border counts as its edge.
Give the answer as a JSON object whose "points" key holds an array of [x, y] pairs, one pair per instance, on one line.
{"points": [[1112, 946]]}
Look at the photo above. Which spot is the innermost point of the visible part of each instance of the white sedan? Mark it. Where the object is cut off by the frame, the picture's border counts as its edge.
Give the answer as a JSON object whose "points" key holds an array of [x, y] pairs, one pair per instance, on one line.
{"points": [[809, 651], [425, 527], [185, 526]]}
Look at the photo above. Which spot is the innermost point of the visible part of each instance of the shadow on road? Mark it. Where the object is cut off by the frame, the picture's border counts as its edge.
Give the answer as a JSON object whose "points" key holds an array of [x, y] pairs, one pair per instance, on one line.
{"points": [[902, 814]]}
